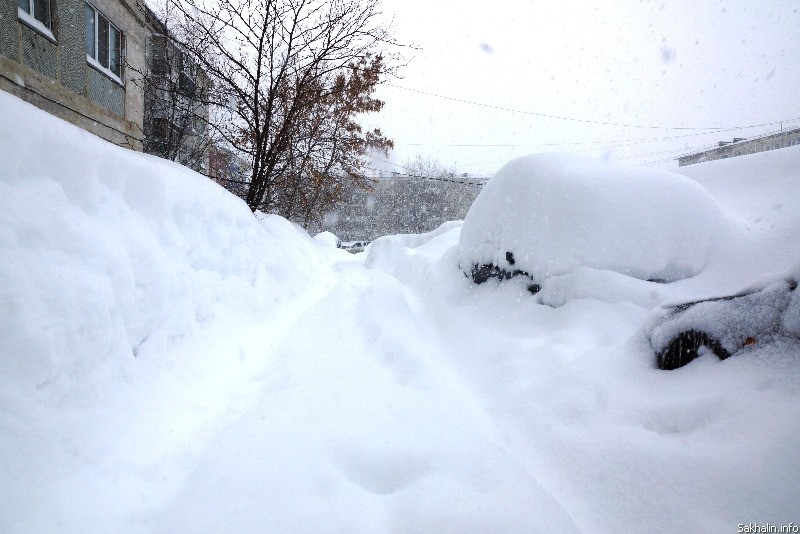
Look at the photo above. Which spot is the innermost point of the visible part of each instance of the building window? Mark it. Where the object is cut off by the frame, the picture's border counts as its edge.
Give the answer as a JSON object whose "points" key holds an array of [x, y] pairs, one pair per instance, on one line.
{"points": [[105, 44], [160, 63], [36, 13], [162, 131], [198, 124], [186, 76]]}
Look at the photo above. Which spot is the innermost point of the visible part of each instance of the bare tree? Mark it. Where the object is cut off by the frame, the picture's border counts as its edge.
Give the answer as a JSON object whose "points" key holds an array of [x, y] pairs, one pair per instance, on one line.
{"points": [[293, 76]]}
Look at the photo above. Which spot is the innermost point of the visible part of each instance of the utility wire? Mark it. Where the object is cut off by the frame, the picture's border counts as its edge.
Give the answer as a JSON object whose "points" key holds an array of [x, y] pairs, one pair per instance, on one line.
{"points": [[614, 142], [564, 143], [696, 149], [586, 121]]}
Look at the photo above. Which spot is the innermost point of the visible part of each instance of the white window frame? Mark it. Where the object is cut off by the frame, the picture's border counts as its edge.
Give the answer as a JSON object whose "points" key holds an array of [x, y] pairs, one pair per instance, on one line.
{"points": [[29, 18], [93, 61]]}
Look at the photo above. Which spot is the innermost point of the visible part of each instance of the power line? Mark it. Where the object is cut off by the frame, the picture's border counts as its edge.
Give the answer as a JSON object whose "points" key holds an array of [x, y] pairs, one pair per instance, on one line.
{"points": [[696, 149], [564, 143], [612, 142], [642, 140], [586, 121]]}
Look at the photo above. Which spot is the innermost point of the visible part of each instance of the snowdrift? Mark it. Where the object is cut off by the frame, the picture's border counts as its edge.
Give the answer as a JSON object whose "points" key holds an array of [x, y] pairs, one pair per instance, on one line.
{"points": [[106, 254], [138, 301]]}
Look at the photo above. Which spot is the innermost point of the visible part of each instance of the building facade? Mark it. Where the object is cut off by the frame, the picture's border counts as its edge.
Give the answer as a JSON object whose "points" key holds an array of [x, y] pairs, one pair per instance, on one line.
{"points": [[175, 100], [74, 59], [229, 170], [740, 147], [399, 204]]}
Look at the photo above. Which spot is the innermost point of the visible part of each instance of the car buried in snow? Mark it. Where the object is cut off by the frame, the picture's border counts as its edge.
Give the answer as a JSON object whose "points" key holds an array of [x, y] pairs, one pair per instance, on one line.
{"points": [[766, 313], [354, 246], [546, 215]]}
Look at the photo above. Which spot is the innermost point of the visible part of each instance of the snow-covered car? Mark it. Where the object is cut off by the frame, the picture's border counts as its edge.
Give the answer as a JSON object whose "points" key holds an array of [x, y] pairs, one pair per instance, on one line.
{"points": [[354, 246], [764, 313], [546, 215], [328, 239]]}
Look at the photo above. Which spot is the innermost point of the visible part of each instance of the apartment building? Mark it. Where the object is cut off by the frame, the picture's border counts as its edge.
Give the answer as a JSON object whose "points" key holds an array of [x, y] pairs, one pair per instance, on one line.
{"points": [[77, 60]]}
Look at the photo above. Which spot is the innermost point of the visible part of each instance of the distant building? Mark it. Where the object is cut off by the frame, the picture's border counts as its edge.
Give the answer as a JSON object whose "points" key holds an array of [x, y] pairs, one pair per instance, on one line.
{"points": [[69, 57], [398, 204], [739, 147], [175, 112]]}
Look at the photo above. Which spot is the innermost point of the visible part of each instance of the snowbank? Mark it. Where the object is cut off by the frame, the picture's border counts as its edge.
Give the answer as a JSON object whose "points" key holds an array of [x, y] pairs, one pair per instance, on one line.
{"points": [[138, 301], [169, 363], [556, 213], [106, 254], [760, 193]]}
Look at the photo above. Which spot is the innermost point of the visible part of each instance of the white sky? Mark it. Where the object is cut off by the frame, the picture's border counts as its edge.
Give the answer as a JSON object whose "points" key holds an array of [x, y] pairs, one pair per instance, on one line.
{"points": [[658, 63]]}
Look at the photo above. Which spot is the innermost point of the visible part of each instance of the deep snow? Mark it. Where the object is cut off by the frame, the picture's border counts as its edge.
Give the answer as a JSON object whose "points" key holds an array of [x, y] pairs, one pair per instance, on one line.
{"points": [[169, 363]]}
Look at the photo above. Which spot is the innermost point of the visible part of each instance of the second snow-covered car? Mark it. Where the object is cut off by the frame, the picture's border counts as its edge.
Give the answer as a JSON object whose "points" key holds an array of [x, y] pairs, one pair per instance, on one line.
{"points": [[765, 313]]}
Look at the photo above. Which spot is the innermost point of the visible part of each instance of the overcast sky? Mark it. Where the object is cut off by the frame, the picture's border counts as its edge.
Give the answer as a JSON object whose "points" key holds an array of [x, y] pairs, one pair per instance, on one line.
{"points": [[660, 65]]}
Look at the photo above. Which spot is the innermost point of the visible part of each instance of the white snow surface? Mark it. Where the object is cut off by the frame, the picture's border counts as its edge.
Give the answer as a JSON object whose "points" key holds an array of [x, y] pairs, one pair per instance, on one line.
{"points": [[171, 363], [558, 212]]}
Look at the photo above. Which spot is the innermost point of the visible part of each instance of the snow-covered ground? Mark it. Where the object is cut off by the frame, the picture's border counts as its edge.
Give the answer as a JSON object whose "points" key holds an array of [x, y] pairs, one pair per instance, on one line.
{"points": [[170, 363]]}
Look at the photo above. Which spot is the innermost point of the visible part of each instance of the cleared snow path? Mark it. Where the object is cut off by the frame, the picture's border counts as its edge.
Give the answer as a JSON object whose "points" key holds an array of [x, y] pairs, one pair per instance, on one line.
{"points": [[106, 464], [361, 428], [108, 455]]}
